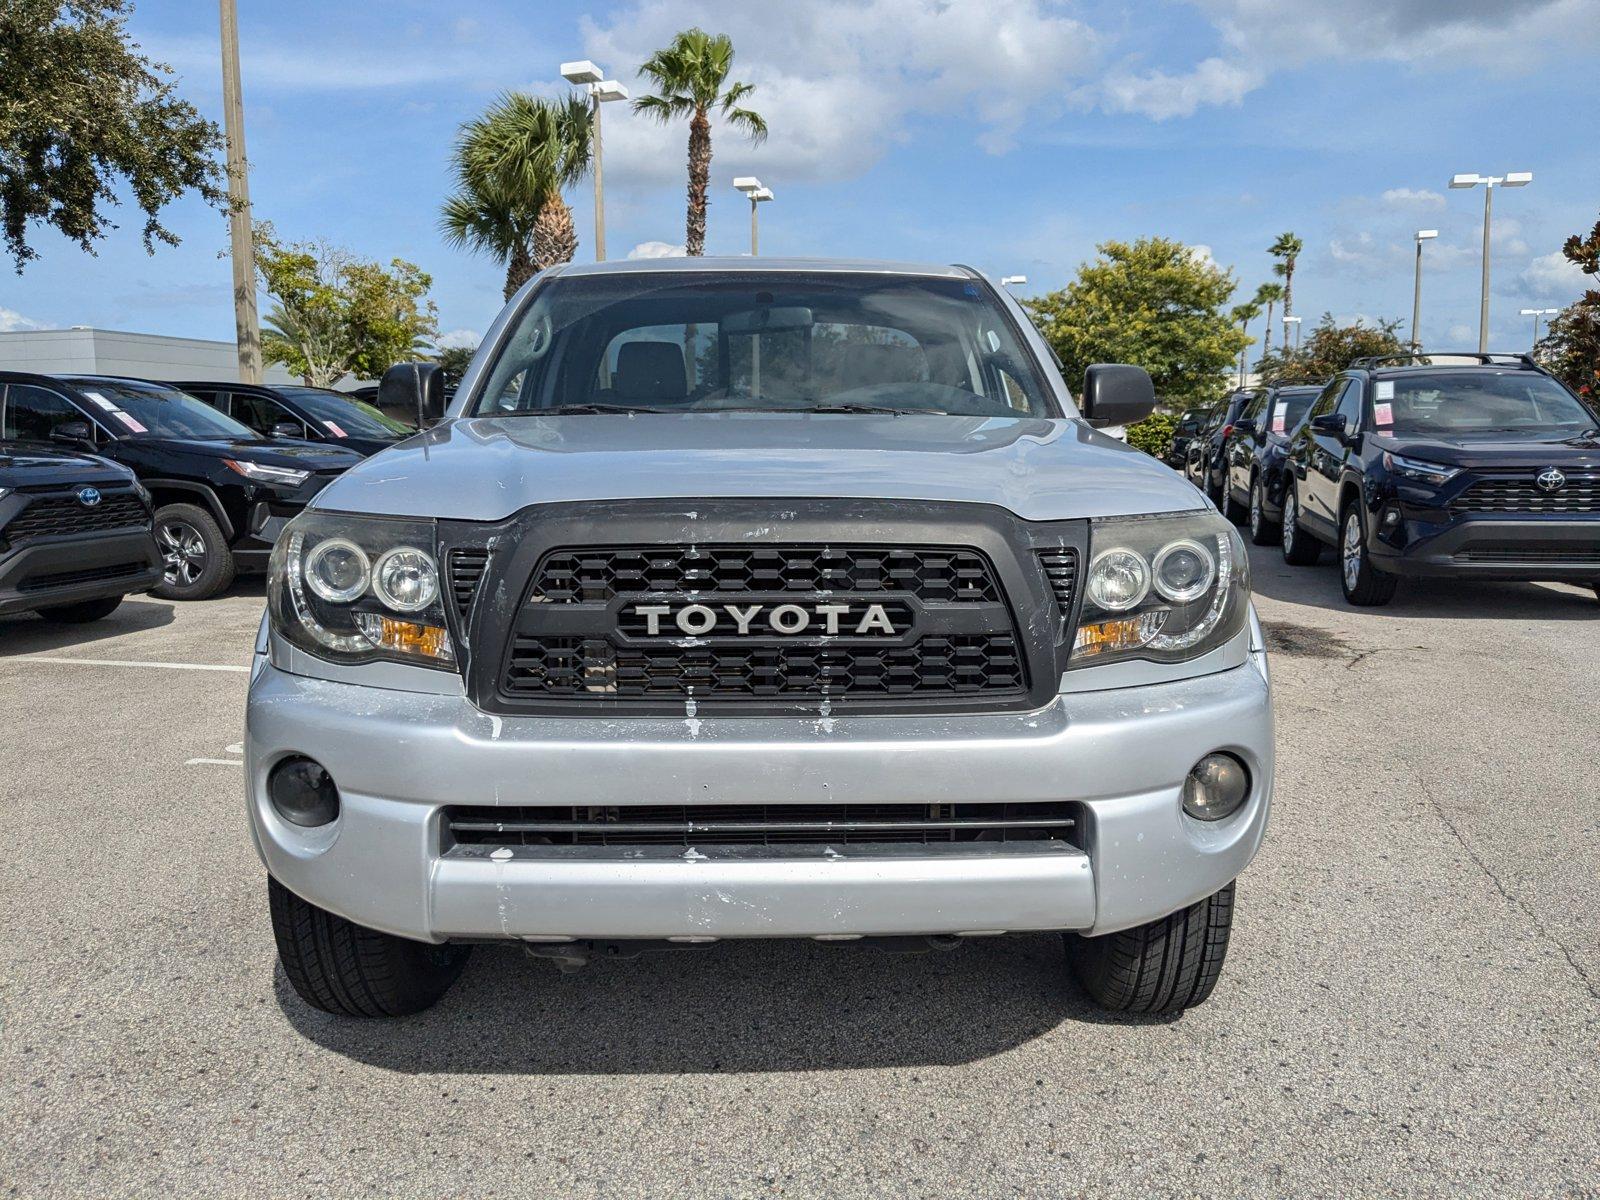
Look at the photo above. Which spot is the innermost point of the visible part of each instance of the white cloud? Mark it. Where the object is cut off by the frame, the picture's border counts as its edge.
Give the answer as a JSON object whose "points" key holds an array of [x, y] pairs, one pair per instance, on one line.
{"points": [[1160, 96], [1550, 277], [1413, 198], [1201, 253], [1463, 335], [459, 339], [12, 321], [658, 250]]}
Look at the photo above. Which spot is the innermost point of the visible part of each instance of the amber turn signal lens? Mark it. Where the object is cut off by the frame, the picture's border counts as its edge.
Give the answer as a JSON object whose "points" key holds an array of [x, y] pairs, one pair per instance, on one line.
{"points": [[407, 637], [1123, 633]]}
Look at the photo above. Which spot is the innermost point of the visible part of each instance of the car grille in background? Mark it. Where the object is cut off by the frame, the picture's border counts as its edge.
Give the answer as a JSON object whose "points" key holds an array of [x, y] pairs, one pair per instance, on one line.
{"points": [[1061, 569], [57, 516], [758, 824], [1581, 494], [55, 579], [1531, 554], [466, 566]]}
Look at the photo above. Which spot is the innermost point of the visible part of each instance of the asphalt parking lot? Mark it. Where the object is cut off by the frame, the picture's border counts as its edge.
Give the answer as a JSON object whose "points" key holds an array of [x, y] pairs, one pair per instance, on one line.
{"points": [[1411, 1004]]}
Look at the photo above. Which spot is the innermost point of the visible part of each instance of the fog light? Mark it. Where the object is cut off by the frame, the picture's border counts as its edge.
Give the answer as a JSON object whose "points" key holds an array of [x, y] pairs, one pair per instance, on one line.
{"points": [[1217, 785], [303, 793]]}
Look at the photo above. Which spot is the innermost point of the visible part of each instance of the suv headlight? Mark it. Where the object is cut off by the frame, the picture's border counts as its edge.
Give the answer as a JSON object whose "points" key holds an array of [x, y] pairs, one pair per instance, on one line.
{"points": [[1416, 468], [261, 473], [360, 589], [1166, 588]]}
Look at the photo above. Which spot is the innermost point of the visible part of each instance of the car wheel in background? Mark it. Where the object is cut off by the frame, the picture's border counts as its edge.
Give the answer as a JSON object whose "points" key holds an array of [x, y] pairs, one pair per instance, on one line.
{"points": [[1363, 583], [352, 971], [1163, 967], [197, 563], [1262, 531], [1300, 549], [1231, 508], [81, 613]]}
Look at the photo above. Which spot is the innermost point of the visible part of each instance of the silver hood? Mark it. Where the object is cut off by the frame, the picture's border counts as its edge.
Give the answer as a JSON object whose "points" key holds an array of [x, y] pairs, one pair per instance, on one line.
{"points": [[486, 468]]}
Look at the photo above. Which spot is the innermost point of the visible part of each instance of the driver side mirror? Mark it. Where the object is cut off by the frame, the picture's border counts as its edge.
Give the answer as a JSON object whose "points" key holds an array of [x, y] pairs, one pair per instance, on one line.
{"points": [[414, 387], [1246, 426], [1117, 394], [73, 432], [1330, 425]]}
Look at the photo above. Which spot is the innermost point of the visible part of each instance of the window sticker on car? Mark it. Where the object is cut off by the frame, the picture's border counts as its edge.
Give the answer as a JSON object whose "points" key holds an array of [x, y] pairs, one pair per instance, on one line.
{"points": [[335, 430], [101, 401], [131, 422], [1385, 389], [1280, 416], [1384, 413]]}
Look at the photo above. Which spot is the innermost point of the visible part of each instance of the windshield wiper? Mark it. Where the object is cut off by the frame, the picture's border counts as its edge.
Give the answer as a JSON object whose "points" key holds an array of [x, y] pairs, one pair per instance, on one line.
{"points": [[562, 410], [866, 408], [1588, 435]]}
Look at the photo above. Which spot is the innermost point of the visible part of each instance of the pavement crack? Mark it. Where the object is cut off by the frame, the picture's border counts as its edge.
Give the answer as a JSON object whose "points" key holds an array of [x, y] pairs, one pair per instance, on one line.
{"points": [[1533, 918]]}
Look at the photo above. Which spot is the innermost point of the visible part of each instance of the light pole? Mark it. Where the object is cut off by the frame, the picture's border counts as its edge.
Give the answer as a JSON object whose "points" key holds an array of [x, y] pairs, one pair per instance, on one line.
{"points": [[241, 238], [1536, 313], [601, 90], [1423, 235], [751, 187], [1295, 321], [1489, 182], [1013, 280]]}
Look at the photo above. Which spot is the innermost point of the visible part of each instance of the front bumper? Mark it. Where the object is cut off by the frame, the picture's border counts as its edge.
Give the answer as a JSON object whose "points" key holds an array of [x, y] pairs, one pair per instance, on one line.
{"points": [[399, 757], [77, 568], [1515, 548]]}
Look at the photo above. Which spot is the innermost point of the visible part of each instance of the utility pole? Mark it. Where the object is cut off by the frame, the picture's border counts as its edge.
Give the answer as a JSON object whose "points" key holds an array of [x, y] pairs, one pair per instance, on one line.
{"points": [[241, 241], [1489, 182], [1423, 235]]}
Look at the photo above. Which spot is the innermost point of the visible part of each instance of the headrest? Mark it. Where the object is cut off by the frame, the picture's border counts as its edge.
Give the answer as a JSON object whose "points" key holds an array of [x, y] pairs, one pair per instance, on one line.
{"points": [[650, 371]]}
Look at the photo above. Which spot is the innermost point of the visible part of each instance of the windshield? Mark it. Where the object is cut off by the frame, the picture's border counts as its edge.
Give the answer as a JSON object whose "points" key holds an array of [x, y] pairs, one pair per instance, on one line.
{"points": [[345, 416], [1465, 404], [764, 341], [149, 410]]}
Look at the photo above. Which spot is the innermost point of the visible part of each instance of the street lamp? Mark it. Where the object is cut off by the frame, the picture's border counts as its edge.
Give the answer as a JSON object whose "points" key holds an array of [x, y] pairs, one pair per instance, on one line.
{"points": [[1013, 280], [1423, 235], [751, 187], [1489, 182], [1536, 313], [601, 90], [1295, 321]]}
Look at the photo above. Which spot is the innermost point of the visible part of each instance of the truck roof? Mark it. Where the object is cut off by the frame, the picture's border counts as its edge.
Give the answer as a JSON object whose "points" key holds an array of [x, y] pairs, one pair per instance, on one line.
{"points": [[745, 262]]}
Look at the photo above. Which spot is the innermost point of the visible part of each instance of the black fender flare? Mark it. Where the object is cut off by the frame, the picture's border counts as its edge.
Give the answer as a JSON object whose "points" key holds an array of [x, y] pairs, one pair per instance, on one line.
{"points": [[213, 502]]}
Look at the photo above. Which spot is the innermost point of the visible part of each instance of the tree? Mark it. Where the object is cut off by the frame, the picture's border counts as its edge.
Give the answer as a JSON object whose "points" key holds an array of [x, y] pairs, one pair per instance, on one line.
{"points": [[688, 76], [83, 115], [511, 166], [1286, 250], [335, 314], [1330, 349], [1152, 303], [1268, 294], [1244, 314], [454, 361], [1570, 347]]}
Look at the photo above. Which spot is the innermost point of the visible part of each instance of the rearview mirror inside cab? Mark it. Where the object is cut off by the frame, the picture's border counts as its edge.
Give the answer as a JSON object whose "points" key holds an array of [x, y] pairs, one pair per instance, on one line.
{"points": [[414, 387], [1117, 394]]}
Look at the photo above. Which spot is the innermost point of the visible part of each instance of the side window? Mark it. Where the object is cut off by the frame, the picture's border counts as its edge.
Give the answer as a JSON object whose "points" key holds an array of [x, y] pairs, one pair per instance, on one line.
{"points": [[1350, 405], [262, 414], [1330, 397], [217, 400], [32, 412], [1257, 406]]}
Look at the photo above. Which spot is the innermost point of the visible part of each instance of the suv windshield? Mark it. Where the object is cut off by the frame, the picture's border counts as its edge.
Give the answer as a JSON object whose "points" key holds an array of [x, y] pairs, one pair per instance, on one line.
{"points": [[354, 417], [773, 341], [1464, 403], [149, 410]]}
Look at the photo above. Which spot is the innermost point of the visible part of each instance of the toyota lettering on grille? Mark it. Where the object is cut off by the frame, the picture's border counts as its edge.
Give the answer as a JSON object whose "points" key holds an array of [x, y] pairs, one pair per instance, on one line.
{"points": [[760, 620]]}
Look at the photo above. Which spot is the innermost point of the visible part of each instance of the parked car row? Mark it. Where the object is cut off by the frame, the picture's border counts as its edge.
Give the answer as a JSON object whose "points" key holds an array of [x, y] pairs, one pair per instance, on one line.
{"points": [[112, 486], [1480, 466]]}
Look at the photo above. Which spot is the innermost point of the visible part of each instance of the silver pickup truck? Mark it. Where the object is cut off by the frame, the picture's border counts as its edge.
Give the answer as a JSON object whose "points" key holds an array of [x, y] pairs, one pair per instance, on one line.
{"points": [[757, 598]]}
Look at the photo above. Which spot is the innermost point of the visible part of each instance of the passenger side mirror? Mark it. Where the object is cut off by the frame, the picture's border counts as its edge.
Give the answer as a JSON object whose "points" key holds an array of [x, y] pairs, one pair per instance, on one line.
{"points": [[74, 432], [1246, 426], [414, 387], [283, 429], [1116, 394], [1330, 425]]}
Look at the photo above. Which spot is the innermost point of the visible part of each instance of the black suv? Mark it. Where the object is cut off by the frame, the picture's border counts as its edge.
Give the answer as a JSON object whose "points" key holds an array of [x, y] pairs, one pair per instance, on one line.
{"points": [[74, 532], [1205, 467], [1255, 454], [221, 493], [312, 414], [1414, 466], [1190, 422]]}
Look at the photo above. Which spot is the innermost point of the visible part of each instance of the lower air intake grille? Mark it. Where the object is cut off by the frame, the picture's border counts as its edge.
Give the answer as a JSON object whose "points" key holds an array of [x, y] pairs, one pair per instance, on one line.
{"points": [[759, 824], [1061, 569], [466, 571]]}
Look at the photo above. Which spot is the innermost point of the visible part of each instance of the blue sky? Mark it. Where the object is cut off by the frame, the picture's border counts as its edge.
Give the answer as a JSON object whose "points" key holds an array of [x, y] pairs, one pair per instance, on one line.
{"points": [[1011, 136]]}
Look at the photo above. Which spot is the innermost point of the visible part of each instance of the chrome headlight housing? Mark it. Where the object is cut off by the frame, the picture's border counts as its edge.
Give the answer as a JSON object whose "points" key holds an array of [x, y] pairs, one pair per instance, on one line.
{"points": [[1165, 588], [355, 589]]}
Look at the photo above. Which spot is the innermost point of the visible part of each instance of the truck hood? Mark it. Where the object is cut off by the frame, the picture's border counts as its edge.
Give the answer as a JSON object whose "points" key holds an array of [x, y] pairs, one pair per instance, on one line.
{"points": [[486, 468]]}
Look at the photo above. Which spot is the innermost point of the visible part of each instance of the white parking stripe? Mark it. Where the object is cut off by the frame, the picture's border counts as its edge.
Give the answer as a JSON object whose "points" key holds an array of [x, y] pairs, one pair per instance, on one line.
{"points": [[115, 662], [213, 762]]}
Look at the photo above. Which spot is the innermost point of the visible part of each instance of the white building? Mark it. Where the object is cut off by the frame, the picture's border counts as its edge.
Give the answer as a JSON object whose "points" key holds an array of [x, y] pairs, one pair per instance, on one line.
{"points": [[85, 351]]}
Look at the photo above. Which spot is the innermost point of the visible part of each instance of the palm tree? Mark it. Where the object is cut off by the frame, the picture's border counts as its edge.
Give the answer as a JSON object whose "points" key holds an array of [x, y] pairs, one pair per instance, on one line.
{"points": [[1287, 248], [511, 166], [688, 76], [1244, 314], [1268, 294]]}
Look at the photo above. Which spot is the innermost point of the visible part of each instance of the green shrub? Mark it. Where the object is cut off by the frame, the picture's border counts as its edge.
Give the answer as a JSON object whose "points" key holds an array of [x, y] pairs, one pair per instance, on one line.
{"points": [[1153, 433]]}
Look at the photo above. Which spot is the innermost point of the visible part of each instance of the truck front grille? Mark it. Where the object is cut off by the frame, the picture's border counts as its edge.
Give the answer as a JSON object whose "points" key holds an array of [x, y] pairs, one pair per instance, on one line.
{"points": [[1580, 494], [758, 824], [58, 516]]}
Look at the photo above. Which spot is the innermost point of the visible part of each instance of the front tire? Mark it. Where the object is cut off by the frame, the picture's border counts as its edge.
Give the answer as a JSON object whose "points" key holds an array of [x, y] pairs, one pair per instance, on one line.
{"points": [[1300, 549], [83, 612], [1363, 583], [1164, 967], [197, 563], [352, 971]]}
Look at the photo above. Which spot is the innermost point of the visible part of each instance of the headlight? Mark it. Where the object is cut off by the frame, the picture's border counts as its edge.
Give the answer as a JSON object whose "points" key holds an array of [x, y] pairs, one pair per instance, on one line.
{"points": [[262, 473], [1165, 588], [360, 589], [1416, 468]]}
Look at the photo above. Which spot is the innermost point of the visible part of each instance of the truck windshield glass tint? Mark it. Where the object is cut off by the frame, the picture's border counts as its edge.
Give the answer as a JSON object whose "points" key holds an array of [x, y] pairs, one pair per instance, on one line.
{"points": [[160, 412], [779, 341], [356, 418], [1457, 404]]}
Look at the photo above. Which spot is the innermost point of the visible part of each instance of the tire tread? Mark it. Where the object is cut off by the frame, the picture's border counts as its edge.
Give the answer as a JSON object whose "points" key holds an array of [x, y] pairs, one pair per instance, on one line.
{"points": [[1166, 966]]}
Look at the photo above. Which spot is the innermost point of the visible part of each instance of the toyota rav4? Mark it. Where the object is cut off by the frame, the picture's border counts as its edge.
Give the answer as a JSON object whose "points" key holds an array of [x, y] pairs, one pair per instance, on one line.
{"points": [[730, 599]]}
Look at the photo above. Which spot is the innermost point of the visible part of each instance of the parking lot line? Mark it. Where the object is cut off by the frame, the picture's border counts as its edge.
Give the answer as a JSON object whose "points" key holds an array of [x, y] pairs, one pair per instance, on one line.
{"points": [[117, 662]]}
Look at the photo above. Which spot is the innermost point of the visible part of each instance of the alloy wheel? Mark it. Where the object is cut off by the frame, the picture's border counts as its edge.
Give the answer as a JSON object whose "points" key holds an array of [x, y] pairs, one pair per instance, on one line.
{"points": [[1352, 550], [1291, 514], [1256, 515], [183, 553]]}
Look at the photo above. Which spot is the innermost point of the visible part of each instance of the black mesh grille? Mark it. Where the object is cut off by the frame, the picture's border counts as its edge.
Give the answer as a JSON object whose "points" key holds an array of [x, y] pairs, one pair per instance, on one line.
{"points": [[758, 824], [1530, 554], [55, 579], [934, 666], [466, 570], [1580, 494], [55, 516], [1061, 569]]}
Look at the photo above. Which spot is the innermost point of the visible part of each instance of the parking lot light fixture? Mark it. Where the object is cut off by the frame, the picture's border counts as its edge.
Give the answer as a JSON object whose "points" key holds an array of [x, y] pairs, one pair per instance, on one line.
{"points": [[601, 91], [1536, 313], [1489, 182], [1295, 321], [752, 188], [1423, 235], [1013, 280]]}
